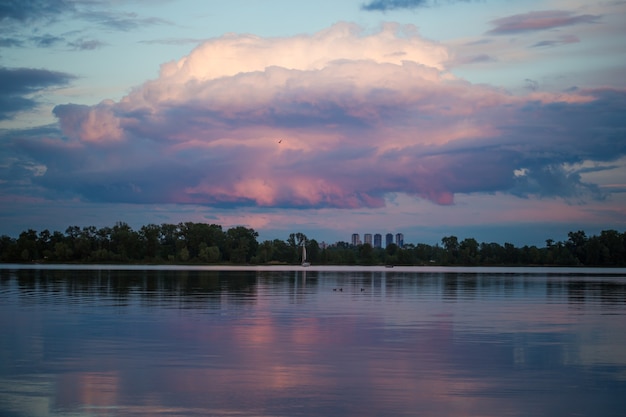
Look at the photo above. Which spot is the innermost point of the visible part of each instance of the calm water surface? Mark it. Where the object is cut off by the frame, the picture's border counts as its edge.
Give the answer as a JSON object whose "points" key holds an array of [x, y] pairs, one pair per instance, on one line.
{"points": [[361, 342]]}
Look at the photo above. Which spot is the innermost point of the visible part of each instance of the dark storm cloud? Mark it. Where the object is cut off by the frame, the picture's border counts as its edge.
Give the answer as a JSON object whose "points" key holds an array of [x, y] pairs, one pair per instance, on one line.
{"points": [[559, 137], [16, 84], [593, 129], [540, 20], [554, 180]]}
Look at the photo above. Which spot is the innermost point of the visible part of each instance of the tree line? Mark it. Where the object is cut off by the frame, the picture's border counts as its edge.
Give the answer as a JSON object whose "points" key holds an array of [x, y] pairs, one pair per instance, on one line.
{"points": [[201, 243]]}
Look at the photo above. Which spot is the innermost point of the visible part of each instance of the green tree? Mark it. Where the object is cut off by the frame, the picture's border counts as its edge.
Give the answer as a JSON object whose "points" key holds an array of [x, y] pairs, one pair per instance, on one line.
{"points": [[183, 254], [366, 254], [451, 246], [265, 253], [209, 254], [391, 254], [491, 253], [594, 251], [43, 243], [510, 254], [313, 251], [424, 253], [282, 252], [62, 252], [8, 248], [406, 255], [149, 238], [168, 241], [468, 251], [576, 245], [84, 242], [125, 242], [241, 244], [615, 245], [27, 246], [195, 234]]}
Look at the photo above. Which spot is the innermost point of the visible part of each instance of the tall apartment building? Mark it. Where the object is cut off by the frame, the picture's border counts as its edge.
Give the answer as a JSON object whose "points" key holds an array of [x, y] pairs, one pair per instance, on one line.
{"points": [[399, 240], [388, 239], [377, 240]]}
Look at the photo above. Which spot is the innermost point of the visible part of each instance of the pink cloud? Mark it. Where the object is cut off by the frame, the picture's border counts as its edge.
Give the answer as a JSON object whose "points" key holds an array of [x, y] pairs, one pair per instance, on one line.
{"points": [[539, 20], [90, 124], [249, 121]]}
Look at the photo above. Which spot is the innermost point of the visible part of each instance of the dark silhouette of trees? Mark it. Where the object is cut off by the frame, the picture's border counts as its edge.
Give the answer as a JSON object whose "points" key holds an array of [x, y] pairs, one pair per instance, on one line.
{"points": [[451, 245], [468, 252], [201, 243], [366, 254], [241, 244]]}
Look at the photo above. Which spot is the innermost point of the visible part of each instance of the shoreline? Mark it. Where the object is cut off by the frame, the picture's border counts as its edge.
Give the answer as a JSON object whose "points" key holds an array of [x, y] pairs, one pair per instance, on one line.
{"points": [[532, 270]]}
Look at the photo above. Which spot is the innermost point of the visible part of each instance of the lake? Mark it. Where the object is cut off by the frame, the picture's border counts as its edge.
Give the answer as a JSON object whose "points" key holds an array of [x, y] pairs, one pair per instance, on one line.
{"points": [[319, 341]]}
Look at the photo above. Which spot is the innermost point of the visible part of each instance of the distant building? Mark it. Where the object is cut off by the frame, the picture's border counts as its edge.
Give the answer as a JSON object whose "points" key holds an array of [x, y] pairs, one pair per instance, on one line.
{"points": [[376, 240], [388, 239], [399, 240]]}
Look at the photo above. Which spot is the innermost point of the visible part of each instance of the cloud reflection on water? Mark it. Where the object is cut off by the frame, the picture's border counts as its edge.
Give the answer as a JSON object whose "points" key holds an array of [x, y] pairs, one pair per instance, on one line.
{"points": [[274, 343]]}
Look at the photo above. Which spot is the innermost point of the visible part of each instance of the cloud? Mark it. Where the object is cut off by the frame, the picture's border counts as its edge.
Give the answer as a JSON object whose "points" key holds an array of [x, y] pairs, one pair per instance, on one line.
{"points": [[385, 5], [14, 14], [342, 118], [561, 40], [90, 10], [46, 41], [531, 85], [118, 20], [18, 84], [473, 59], [173, 41], [549, 180], [86, 44], [29, 10], [539, 20], [10, 42]]}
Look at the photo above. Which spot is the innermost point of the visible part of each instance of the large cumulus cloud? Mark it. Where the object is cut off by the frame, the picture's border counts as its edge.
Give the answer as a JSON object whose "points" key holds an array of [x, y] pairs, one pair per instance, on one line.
{"points": [[342, 118]]}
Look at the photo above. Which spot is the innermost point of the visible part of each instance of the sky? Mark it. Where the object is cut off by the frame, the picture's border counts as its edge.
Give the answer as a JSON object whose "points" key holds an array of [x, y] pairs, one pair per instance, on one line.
{"points": [[498, 120]]}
